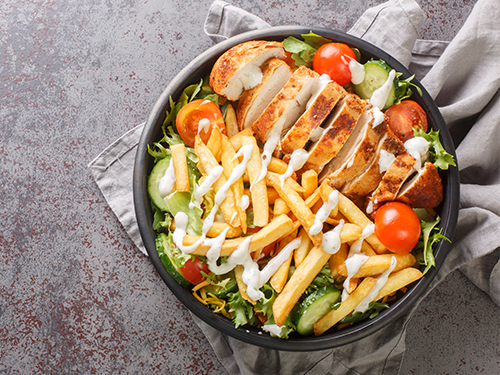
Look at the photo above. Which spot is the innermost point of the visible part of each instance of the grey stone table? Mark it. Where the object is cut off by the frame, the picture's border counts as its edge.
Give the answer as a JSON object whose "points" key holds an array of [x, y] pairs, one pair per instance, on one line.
{"points": [[75, 294]]}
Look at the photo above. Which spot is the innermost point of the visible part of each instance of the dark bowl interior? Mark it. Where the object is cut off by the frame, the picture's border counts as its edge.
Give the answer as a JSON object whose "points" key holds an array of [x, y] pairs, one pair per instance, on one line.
{"points": [[152, 132]]}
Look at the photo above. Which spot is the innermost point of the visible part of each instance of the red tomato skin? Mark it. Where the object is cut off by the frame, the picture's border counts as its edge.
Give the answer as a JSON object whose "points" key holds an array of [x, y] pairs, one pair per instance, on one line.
{"points": [[328, 60], [405, 116], [397, 226], [189, 117], [192, 270]]}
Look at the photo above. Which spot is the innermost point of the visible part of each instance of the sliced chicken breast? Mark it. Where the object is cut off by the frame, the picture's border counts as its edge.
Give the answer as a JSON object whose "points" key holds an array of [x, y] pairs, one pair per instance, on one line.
{"points": [[424, 190], [387, 190], [327, 94], [238, 69], [275, 74], [287, 106], [335, 131], [353, 159], [388, 148]]}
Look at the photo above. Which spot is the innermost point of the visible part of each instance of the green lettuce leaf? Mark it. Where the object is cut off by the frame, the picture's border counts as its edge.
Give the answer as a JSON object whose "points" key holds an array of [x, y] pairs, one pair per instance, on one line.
{"points": [[265, 305], [424, 252], [439, 156], [315, 40], [242, 309], [302, 52], [287, 327]]}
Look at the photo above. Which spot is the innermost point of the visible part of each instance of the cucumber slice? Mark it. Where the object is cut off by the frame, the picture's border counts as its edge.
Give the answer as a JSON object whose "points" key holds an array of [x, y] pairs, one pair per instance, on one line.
{"points": [[314, 307], [154, 181], [376, 73], [164, 246]]}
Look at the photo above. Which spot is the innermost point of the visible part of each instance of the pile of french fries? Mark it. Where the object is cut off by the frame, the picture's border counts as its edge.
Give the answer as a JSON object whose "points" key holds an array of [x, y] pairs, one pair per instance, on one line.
{"points": [[293, 205]]}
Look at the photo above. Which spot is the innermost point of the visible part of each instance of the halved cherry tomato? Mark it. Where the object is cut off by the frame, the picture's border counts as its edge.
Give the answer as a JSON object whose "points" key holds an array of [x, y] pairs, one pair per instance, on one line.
{"points": [[405, 116], [199, 117], [397, 226], [192, 270], [333, 59]]}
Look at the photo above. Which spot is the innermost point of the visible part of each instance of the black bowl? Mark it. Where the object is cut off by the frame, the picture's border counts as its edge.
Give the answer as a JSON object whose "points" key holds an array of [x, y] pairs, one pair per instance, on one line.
{"points": [[152, 132]]}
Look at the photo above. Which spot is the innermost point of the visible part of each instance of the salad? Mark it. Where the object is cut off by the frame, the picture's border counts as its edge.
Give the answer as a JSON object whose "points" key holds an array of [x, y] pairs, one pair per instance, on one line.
{"points": [[283, 221]]}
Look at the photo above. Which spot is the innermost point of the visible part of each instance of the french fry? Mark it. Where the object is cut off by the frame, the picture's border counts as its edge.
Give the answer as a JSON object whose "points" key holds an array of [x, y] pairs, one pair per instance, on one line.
{"points": [[356, 216], [313, 198], [398, 280], [228, 163], [279, 278], [258, 190], [180, 168], [231, 122], [272, 194], [300, 280], [367, 249], [278, 228], [242, 287], [337, 259], [293, 184], [277, 166], [237, 139], [346, 307], [350, 232], [206, 163], [353, 284], [304, 248], [217, 228], [296, 204], [280, 207], [377, 264], [214, 142], [309, 182]]}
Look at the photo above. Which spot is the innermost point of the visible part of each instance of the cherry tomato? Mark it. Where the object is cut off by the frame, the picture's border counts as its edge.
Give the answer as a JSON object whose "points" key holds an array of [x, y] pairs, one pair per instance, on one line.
{"points": [[289, 60], [405, 116], [192, 270], [189, 118], [333, 59], [397, 226]]}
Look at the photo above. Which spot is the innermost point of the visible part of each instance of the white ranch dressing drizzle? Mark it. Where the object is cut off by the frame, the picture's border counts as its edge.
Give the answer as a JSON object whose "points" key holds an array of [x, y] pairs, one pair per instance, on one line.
{"points": [[324, 212], [381, 281], [251, 76], [273, 329], [167, 182], [418, 147], [269, 147], [203, 124], [205, 186], [385, 160], [378, 117], [357, 70], [330, 242], [380, 95], [356, 259], [181, 222], [369, 207], [245, 202], [297, 160]]}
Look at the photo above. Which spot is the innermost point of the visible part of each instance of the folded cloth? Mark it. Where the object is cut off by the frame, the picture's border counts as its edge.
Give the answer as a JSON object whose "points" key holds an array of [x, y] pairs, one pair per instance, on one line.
{"points": [[464, 78]]}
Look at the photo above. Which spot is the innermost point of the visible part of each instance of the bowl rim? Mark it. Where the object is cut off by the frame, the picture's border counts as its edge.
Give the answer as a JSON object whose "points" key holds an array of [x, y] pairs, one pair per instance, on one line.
{"points": [[252, 335]]}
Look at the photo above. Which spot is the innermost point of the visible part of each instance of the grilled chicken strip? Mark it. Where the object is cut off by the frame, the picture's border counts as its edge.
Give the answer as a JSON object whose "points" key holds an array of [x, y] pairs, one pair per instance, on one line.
{"points": [[424, 190], [352, 159], [238, 69], [287, 106], [328, 93], [275, 74], [337, 128], [387, 190], [367, 181]]}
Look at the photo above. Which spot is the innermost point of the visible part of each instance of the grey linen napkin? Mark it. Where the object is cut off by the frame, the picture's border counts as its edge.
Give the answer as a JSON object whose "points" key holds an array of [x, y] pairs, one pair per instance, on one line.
{"points": [[463, 76]]}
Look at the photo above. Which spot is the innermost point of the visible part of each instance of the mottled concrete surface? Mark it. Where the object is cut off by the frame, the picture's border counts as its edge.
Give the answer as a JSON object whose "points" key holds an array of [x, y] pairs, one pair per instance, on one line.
{"points": [[75, 294]]}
